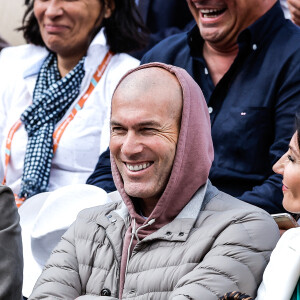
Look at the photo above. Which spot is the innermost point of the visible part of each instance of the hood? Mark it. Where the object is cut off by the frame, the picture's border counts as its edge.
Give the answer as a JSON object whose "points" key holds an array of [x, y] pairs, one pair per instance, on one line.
{"points": [[193, 158]]}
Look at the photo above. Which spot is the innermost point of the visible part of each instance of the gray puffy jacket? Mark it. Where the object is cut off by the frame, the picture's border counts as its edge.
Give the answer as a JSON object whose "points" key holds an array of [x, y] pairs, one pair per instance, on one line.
{"points": [[215, 245]]}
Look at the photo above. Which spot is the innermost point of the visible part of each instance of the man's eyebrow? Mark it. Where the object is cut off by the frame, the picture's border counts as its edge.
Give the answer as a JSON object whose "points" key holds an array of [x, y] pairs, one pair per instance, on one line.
{"points": [[148, 123], [115, 123], [141, 124]]}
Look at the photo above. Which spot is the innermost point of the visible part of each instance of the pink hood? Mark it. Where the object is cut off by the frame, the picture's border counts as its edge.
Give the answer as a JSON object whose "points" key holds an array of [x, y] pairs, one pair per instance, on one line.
{"points": [[193, 159]]}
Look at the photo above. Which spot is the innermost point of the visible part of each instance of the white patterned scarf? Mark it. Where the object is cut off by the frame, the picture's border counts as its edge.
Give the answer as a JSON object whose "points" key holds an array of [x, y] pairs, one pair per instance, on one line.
{"points": [[52, 97]]}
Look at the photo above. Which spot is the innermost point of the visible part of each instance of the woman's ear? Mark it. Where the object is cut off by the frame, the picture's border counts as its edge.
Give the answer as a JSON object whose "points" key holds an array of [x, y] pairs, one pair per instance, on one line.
{"points": [[109, 7]]}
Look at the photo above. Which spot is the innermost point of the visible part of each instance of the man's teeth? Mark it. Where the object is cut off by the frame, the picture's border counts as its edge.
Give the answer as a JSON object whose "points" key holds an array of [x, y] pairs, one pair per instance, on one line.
{"points": [[138, 167], [210, 13]]}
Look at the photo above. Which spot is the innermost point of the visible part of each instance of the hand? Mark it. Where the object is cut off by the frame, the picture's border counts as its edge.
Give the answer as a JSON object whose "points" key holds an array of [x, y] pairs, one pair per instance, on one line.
{"points": [[294, 7]]}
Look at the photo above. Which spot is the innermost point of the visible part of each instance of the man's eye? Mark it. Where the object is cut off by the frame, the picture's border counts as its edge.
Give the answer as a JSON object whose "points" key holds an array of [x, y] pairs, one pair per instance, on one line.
{"points": [[117, 129], [148, 129], [290, 158]]}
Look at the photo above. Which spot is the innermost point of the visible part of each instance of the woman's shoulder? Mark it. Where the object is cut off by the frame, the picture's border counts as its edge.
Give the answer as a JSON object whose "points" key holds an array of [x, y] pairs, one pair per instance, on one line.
{"points": [[22, 52], [124, 60], [21, 57]]}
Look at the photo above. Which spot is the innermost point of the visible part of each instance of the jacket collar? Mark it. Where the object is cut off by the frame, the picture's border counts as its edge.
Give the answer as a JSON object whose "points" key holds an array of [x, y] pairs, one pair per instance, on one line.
{"points": [[180, 227]]}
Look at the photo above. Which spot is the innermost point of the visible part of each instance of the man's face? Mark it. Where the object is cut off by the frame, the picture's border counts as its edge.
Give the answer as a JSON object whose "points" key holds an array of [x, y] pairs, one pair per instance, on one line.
{"points": [[144, 133], [221, 21]]}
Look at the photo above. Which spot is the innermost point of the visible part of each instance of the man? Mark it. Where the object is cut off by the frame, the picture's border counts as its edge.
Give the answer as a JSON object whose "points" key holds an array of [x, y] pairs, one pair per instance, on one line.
{"points": [[245, 56], [11, 255], [171, 234]]}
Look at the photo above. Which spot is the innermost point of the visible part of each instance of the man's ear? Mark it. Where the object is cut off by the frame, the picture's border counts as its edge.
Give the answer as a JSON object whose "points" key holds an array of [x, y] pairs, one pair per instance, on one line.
{"points": [[109, 6]]}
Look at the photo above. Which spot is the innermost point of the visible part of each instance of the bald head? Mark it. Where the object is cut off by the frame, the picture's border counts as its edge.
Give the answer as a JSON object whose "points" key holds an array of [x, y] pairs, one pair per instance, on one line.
{"points": [[157, 82], [145, 79]]}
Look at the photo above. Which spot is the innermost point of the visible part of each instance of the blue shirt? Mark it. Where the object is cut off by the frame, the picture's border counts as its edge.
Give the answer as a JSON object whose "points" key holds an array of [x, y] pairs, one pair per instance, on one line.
{"points": [[252, 107]]}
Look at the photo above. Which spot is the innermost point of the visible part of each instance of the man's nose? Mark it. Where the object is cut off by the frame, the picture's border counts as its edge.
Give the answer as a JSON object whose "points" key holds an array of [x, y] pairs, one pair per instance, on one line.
{"points": [[131, 145]]}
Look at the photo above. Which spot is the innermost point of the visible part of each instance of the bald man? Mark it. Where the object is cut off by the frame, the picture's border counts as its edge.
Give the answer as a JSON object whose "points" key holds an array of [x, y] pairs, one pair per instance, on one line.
{"points": [[168, 234]]}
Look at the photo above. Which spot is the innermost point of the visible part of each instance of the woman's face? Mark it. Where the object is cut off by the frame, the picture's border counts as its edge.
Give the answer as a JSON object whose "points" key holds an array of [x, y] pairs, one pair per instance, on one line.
{"points": [[67, 26], [289, 167]]}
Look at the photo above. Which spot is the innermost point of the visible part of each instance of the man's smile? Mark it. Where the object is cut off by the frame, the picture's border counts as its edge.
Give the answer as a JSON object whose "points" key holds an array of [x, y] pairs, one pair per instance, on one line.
{"points": [[211, 13], [138, 167]]}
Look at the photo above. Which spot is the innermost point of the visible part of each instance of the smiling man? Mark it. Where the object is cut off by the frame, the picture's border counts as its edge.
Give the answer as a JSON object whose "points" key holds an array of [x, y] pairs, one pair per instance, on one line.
{"points": [[168, 234], [246, 58]]}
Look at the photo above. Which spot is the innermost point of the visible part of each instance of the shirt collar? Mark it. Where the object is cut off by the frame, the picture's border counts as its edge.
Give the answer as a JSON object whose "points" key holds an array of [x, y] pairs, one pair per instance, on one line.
{"points": [[35, 56], [195, 41], [34, 62], [263, 28], [99, 39]]}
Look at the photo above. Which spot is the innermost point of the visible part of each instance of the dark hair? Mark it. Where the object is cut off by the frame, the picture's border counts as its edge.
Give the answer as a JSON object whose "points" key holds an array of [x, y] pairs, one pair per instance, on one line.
{"points": [[124, 30], [297, 122]]}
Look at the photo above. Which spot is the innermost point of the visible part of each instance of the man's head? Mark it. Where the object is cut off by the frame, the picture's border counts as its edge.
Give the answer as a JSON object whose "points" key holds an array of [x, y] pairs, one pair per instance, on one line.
{"points": [[145, 123], [221, 21]]}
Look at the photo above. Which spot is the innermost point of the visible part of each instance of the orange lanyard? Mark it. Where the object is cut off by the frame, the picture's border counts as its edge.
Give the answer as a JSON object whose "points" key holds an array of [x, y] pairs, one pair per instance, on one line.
{"points": [[60, 130]]}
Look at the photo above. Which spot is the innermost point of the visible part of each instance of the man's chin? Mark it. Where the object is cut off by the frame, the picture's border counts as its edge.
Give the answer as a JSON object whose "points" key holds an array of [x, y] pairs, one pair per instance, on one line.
{"points": [[135, 190], [212, 35], [139, 190]]}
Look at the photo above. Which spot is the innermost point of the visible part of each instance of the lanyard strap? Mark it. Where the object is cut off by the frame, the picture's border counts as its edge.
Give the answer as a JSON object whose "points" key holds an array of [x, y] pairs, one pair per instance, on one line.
{"points": [[96, 78], [60, 130]]}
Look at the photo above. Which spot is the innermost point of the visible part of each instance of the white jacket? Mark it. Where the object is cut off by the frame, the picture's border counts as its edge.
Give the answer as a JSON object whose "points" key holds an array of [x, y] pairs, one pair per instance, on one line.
{"points": [[86, 137], [283, 271]]}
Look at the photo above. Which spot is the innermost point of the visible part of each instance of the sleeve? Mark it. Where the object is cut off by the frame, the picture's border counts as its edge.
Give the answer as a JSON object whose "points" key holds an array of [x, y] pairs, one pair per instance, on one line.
{"points": [[11, 256], [235, 261], [60, 278], [282, 273], [269, 194], [102, 176]]}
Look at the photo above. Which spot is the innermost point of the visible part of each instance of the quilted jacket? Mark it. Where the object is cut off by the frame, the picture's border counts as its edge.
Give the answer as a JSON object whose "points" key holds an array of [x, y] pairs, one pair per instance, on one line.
{"points": [[216, 244]]}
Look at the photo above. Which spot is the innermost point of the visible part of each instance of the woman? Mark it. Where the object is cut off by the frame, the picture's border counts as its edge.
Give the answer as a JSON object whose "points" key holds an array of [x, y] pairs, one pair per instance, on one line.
{"points": [[282, 274], [281, 277], [55, 92]]}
